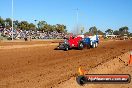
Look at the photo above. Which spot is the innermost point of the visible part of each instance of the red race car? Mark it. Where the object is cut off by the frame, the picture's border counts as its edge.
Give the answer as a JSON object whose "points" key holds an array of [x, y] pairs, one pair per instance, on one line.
{"points": [[72, 42]]}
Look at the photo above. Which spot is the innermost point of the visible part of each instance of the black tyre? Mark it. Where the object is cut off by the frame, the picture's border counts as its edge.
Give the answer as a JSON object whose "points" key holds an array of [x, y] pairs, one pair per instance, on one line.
{"points": [[88, 46], [25, 39], [93, 45], [80, 46], [57, 48], [81, 80], [96, 45], [66, 48]]}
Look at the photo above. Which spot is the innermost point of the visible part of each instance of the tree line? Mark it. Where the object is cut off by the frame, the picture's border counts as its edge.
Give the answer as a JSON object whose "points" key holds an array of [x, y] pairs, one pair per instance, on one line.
{"points": [[24, 25], [121, 31], [45, 27]]}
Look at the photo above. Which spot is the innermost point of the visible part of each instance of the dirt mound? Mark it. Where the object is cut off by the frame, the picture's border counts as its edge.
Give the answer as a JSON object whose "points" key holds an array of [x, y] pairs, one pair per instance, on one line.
{"points": [[118, 65]]}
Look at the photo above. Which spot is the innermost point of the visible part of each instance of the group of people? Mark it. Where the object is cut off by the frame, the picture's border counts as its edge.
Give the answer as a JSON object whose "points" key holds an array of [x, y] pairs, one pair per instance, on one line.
{"points": [[24, 34]]}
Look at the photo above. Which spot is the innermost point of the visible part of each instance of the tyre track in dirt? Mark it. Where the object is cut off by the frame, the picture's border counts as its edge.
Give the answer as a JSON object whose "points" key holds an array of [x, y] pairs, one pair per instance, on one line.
{"points": [[44, 67], [118, 65]]}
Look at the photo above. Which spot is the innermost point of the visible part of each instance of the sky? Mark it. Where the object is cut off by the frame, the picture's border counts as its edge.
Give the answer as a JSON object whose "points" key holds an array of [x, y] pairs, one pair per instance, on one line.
{"points": [[103, 14]]}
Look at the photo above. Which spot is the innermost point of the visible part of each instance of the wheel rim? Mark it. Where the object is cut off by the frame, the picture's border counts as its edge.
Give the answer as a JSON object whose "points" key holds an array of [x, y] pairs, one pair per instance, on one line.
{"points": [[66, 48], [81, 45], [96, 44]]}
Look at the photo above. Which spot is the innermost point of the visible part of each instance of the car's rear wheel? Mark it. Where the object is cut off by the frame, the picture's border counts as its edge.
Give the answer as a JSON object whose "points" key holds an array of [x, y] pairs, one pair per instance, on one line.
{"points": [[93, 45], [80, 46], [96, 44]]}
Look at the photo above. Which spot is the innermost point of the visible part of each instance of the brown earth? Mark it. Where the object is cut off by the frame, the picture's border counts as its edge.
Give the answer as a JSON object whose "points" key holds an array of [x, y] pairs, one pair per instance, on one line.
{"points": [[44, 67], [22, 42], [118, 65]]}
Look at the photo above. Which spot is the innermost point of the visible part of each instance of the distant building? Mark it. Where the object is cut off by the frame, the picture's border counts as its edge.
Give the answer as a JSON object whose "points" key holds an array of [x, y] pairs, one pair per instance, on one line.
{"points": [[100, 35], [111, 36], [125, 36]]}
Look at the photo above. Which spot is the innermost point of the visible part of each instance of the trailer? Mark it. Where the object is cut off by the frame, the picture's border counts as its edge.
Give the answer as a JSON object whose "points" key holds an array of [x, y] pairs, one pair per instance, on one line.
{"points": [[94, 41], [91, 41]]}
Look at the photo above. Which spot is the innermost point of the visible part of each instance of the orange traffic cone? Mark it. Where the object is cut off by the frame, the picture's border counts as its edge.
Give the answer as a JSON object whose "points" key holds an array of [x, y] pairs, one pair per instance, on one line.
{"points": [[81, 72], [130, 61]]}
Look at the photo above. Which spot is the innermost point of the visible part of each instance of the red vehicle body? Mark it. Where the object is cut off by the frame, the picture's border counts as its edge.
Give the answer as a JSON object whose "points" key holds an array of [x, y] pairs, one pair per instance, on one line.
{"points": [[72, 42]]}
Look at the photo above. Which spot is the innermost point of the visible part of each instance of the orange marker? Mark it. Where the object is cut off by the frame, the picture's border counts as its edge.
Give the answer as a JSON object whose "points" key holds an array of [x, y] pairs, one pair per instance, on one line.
{"points": [[81, 72], [130, 61]]}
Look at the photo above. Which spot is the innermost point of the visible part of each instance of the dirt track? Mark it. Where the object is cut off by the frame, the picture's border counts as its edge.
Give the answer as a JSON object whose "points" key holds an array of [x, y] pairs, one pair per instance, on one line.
{"points": [[118, 65], [40, 67]]}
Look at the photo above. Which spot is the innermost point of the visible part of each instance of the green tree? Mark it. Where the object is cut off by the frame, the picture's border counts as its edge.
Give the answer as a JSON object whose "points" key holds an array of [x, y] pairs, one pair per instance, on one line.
{"points": [[24, 25], [54, 27], [8, 22], [47, 27], [60, 27], [41, 25], [116, 32], [93, 30], [86, 33], [109, 31], [15, 24], [123, 30], [31, 26], [2, 22], [100, 32]]}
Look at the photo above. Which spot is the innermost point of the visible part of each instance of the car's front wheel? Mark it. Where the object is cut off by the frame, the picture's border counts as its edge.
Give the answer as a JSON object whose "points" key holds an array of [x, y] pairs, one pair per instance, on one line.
{"points": [[96, 44], [66, 48]]}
